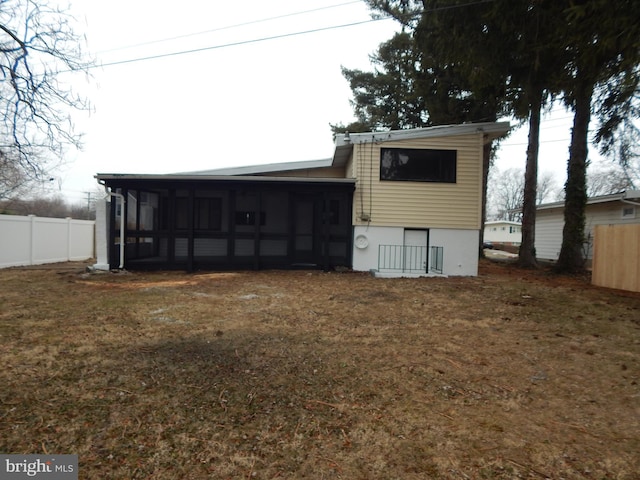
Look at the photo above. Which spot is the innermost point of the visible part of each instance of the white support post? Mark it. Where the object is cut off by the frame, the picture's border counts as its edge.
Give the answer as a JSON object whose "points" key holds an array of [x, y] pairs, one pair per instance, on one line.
{"points": [[102, 260]]}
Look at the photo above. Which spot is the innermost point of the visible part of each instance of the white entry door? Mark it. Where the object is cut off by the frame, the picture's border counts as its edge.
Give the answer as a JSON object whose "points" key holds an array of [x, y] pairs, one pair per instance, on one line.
{"points": [[415, 250]]}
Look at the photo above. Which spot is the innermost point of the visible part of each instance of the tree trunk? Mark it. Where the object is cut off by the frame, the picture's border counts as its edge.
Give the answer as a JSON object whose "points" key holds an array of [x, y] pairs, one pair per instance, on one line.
{"points": [[571, 259], [486, 164], [527, 252]]}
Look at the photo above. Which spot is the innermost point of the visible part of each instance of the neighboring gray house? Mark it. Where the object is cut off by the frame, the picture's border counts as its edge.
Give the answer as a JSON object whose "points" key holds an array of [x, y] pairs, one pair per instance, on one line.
{"points": [[619, 208]]}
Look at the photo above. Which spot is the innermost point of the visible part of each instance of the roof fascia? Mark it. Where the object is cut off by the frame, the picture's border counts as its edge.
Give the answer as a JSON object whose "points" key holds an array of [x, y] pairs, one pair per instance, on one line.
{"points": [[218, 178], [491, 129]]}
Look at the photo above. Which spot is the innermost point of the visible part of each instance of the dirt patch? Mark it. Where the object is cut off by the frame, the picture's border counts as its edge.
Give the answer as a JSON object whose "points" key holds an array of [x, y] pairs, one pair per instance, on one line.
{"points": [[511, 374]]}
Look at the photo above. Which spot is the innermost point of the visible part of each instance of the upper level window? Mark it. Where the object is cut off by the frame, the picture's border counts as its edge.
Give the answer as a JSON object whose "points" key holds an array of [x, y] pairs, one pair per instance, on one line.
{"points": [[628, 212], [418, 165]]}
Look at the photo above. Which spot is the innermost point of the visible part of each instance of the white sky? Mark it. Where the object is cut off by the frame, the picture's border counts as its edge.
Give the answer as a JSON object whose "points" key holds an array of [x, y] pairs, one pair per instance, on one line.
{"points": [[230, 105]]}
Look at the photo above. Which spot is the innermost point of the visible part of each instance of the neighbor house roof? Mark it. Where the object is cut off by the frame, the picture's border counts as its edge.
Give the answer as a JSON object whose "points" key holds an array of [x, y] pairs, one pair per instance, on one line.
{"points": [[629, 195], [502, 222]]}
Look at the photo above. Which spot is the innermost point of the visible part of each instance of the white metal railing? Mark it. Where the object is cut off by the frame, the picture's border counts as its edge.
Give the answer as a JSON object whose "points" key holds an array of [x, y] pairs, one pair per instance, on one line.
{"points": [[410, 259], [436, 259]]}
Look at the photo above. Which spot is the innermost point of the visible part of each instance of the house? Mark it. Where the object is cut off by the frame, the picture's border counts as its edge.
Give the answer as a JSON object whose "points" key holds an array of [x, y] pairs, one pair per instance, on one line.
{"points": [[398, 202], [503, 232], [619, 208]]}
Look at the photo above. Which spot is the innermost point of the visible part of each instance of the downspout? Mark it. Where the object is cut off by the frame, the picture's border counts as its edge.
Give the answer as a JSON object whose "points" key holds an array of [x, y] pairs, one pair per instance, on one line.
{"points": [[122, 242]]}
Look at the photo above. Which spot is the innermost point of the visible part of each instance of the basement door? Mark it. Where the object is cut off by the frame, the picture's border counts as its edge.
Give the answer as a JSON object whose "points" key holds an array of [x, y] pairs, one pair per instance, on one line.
{"points": [[415, 251]]}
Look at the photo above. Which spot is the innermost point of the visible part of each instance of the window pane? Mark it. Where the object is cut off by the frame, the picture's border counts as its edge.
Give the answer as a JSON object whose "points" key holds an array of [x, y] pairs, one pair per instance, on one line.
{"points": [[208, 213], [132, 209], [418, 165], [148, 210], [334, 212], [182, 214]]}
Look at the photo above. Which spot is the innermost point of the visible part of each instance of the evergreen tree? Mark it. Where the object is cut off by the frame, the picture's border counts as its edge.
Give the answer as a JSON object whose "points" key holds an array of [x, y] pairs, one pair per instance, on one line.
{"points": [[602, 40], [526, 52], [388, 97], [414, 86], [500, 56]]}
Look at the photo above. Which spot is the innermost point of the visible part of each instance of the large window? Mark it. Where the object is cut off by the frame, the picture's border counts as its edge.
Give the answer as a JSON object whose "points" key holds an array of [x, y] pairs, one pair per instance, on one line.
{"points": [[418, 165]]}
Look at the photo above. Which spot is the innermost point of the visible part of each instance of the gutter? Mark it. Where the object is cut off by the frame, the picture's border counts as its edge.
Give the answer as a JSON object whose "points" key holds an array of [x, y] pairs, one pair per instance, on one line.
{"points": [[624, 200], [626, 194]]}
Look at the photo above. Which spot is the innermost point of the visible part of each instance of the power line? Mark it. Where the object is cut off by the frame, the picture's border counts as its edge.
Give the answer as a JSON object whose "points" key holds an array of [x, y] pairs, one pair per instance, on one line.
{"points": [[234, 44], [525, 143], [547, 120], [565, 140], [229, 27], [274, 37]]}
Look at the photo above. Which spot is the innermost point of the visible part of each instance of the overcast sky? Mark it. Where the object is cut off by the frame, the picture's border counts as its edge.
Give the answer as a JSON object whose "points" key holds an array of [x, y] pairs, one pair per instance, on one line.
{"points": [[240, 97]]}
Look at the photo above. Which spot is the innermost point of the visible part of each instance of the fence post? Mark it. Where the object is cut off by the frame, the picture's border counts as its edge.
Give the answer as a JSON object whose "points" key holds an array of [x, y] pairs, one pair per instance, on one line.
{"points": [[32, 240], [68, 219]]}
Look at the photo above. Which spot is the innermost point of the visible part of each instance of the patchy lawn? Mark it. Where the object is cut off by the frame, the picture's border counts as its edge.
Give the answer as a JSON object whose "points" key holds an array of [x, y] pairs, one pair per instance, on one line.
{"points": [[266, 375]]}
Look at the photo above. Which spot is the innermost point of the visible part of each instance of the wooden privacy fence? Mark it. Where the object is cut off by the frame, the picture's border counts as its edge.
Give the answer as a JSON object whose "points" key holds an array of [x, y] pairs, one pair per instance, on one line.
{"points": [[35, 240], [616, 257]]}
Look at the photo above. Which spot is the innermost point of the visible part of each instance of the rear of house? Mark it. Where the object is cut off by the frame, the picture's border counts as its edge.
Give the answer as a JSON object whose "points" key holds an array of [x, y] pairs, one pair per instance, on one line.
{"points": [[403, 202]]}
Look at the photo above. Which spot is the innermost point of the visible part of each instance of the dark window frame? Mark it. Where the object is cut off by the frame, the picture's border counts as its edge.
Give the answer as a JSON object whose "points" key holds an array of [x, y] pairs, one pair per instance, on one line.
{"points": [[418, 165]]}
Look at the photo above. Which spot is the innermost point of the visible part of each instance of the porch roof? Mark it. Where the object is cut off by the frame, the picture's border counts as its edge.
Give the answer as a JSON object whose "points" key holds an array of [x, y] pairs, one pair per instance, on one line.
{"points": [[191, 177]]}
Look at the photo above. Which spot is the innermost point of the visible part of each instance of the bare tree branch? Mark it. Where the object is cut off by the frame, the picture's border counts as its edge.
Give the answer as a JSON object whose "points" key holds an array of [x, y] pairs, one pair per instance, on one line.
{"points": [[38, 47], [506, 195]]}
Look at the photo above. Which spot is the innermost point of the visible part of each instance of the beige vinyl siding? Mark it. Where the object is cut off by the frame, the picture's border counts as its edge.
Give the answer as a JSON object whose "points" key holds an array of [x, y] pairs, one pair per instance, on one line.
{"points": [[349, 169], [420, 204]]}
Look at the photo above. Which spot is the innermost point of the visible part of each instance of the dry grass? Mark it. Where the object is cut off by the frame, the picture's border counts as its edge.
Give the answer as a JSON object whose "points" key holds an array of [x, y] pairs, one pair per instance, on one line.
{"points": [[269, 375]]}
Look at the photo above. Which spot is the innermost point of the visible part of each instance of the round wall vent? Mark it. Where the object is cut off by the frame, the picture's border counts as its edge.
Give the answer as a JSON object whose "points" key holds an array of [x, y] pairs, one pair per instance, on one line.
{"points": [[362, 241]]}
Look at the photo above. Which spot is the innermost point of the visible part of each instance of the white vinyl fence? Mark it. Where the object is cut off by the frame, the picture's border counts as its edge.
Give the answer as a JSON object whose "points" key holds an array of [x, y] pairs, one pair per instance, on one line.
{"points": [[35, 240]]}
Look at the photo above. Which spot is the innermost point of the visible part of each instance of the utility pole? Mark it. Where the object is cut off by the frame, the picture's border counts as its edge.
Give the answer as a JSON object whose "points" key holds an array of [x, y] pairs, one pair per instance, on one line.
{"points": [[88, 204]]}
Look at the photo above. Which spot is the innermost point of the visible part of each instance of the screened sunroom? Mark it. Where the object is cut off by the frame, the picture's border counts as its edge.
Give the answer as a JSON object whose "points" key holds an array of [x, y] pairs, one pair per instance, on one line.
{"points": [[224, 222]]}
